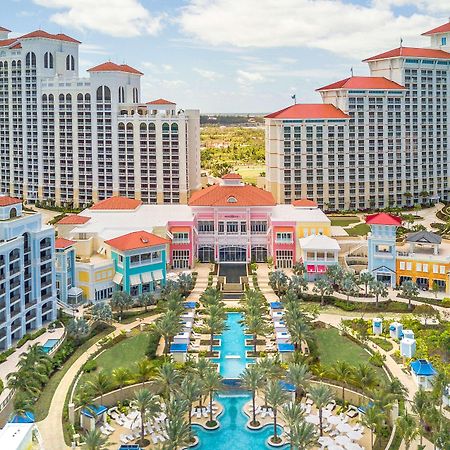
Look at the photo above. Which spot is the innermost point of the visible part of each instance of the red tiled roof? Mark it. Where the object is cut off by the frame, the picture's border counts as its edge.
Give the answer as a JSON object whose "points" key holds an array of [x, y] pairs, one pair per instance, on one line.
{"points": [[160, 101], [5, 29], [441, 29], [411, 52], [244, 195], [43, 34], [180, 229], [232, 176], [113, 67], [383, 219], [305, 202], [7, 42], [8, 201], [16, 45], [309, 111], [73, 219], [281, 229], [62, 243], [135, 240], [121, 203], [362, 83]]}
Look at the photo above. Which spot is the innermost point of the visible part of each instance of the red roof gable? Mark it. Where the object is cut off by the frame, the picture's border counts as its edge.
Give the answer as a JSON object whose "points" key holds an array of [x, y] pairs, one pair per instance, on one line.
{"points": [[135, 240], [73, 220], [7, 42], [363, 83], [43, 34], [441, 29], [232, 176], [62, 243], [383, 219], [120, 203], [305, 202], [411, 52], [113, 67], [309, 111], [244, 195], [160, 101], [8, 201], [5, 29]]}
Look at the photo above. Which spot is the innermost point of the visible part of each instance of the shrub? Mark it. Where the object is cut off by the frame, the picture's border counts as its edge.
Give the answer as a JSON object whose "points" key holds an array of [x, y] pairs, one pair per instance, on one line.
{"points": [[4, 355], [346, 306], [90, 366], [25, 338], [152, 346], [377, 359], [2, 386], [383, 343]]}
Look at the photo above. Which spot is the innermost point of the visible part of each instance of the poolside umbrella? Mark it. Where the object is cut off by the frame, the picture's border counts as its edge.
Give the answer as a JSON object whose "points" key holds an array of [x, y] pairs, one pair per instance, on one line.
{"points": [[354, 435], [344, 427], [335, 447], [312, 419], [334, 420], [353, 446], [342, 440], [27, 417], [326, 413], [326, 441]]}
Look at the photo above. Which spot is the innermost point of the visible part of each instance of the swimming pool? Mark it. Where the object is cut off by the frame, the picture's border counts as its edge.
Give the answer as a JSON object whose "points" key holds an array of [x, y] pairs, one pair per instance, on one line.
{"points": [[233, 433], [232, 348], [49, 344]]}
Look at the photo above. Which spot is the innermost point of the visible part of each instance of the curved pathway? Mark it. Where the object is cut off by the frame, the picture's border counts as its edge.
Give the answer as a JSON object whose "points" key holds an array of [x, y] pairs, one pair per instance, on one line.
{"points": [[51, 428]]}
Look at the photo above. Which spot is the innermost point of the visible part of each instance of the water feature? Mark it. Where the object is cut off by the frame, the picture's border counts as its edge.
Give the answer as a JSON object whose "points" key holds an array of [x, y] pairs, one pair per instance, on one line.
{"points": [[232, 348], [233, 433], [49, 344]]}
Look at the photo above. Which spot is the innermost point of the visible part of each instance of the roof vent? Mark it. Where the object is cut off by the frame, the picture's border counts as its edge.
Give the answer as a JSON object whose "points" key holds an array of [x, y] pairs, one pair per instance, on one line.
{"points": [[144, 240], [231, 199]]}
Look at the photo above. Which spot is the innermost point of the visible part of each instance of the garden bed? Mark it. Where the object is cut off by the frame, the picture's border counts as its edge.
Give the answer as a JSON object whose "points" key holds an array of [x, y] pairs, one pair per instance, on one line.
{"points": [[382, 343]]}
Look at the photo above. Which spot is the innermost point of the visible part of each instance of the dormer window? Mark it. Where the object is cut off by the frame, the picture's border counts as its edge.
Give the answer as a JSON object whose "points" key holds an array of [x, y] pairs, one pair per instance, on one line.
{"points": [[231, 199], [444, 40], [144, 240]]}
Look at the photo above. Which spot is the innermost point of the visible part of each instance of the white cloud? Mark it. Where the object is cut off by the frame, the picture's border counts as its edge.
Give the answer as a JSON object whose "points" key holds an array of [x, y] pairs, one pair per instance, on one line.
{"points": [[247, 78], [93, 49], [336, 25], [208, 74], [121, 18], [155, 68]]}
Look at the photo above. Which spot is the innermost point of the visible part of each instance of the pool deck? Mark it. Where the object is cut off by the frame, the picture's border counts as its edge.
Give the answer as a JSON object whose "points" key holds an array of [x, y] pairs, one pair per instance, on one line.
{"points": [[9, 366]]}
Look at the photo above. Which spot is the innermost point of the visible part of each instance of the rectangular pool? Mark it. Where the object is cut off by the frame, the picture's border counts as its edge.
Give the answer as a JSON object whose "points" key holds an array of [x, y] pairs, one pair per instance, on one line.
{"points": [[49, 344]]}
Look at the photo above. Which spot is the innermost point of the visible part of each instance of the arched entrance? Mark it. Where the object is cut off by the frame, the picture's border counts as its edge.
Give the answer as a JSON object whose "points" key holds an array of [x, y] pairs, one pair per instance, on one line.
{"points": [[232, 253], [206, 253], [259, 253]]}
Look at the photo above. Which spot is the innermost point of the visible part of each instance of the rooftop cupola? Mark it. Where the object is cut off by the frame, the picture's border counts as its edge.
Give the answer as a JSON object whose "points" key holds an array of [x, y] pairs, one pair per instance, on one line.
{"points": [[440, 37], [231, 179]]}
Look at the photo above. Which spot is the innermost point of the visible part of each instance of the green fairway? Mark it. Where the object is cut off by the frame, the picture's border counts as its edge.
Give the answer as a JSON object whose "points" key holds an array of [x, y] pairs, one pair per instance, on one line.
{"points": [[250, 173], [343, 221], [359, 230]]}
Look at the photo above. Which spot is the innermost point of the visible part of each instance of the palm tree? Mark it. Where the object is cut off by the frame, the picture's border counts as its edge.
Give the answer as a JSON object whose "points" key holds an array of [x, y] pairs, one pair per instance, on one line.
{"points": [[378, 288], [271, 370], [298, 375], [78, 328], [366, 278], [168, 325], [302, 436], [439, 385], [121, 376], [321, 396], [292, 414], [146, 299], [25, 382], [101, 312], [276, 397], [212, 383], [407, 429], [202, 367], [335, 274], [167, 378], [297, 284], [299, 269], [396, 389], [251, 379], [348, 284], [101, 384], [214, 322], [148, 406], [365, 376], [83, 399], [299, 330], [22, 404], [409, 290], [178, 432], [255, 325], [144, 370], [190, 389], [121, 300], [185, 283], [421, 404], [94, 440], [343, 372], [323, 286], [35, 359], [372, 419], [278, 281]]}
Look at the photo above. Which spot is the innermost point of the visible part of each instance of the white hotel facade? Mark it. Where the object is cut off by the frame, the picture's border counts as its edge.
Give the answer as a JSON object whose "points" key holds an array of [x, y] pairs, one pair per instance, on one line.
{"points": [[375, 141], [69, 139]]}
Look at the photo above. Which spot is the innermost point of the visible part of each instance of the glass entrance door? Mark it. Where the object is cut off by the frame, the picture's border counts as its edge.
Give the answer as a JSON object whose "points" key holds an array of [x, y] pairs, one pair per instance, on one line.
{"points": [[232, 254]]}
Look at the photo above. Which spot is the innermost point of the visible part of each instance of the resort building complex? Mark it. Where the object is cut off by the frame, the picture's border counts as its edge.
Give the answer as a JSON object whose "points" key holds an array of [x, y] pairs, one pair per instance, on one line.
{"points": [[27, 273], [375, 141], [65, 139]]}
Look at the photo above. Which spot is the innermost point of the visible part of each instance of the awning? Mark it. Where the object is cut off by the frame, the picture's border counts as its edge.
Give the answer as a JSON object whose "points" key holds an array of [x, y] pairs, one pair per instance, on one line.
{"points": [[321, 268], [311, 268], [157, 275], [180, 229], [283, 229], [146, 277], [118, 278], [135, 280]]}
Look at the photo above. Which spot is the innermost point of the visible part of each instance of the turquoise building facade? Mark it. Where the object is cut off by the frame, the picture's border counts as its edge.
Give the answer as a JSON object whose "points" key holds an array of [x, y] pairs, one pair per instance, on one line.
{"points": [[140, 262]]}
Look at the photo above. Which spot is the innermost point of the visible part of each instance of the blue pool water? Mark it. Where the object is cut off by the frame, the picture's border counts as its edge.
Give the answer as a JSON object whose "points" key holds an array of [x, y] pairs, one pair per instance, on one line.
{"points": [[47, 347], [232, 348], [233, 433]]}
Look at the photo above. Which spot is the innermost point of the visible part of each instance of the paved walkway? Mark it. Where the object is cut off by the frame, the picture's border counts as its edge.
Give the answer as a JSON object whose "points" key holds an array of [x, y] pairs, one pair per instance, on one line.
{"points": [[51, 428]]}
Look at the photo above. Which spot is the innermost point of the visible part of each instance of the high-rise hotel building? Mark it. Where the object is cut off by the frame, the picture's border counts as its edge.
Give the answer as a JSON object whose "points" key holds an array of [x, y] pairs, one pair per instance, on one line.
{"points": [[79, 140], [375, 141]]}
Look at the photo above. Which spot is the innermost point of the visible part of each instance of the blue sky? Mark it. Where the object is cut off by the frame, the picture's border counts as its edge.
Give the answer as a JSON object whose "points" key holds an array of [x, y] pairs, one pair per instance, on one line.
{"points": [[232, 55]]}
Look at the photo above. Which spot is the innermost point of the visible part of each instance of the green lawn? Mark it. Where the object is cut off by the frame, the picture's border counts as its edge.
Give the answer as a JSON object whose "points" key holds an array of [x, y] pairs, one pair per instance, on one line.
{"points": [[344, 221], [250, 173], [124, 354], [359, 230]]}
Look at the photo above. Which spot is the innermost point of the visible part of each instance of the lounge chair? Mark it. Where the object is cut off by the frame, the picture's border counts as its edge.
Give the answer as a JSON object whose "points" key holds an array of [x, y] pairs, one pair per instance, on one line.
{"points": [[123, 439], [198, 414], [104, 431], [109, 427], [204, 413], [263, 413], [155, 438]]}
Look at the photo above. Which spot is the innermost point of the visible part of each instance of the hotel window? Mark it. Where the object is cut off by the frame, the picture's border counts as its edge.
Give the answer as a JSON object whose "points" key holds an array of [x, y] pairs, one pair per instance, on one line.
{"points": [[284, 237], [435, 268], [419, 267], [258, 226], [444, 40], [156, 256], [221, 227], [180, 237], [408, 266], [135, 259], [425, 268], [402, 265], [206, 226], [442, 270], [243, 227], [232, 227]]}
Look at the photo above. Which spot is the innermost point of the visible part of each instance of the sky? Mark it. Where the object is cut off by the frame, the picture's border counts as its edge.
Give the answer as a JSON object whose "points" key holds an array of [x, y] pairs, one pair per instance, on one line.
{"points": [[232, 55]]}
